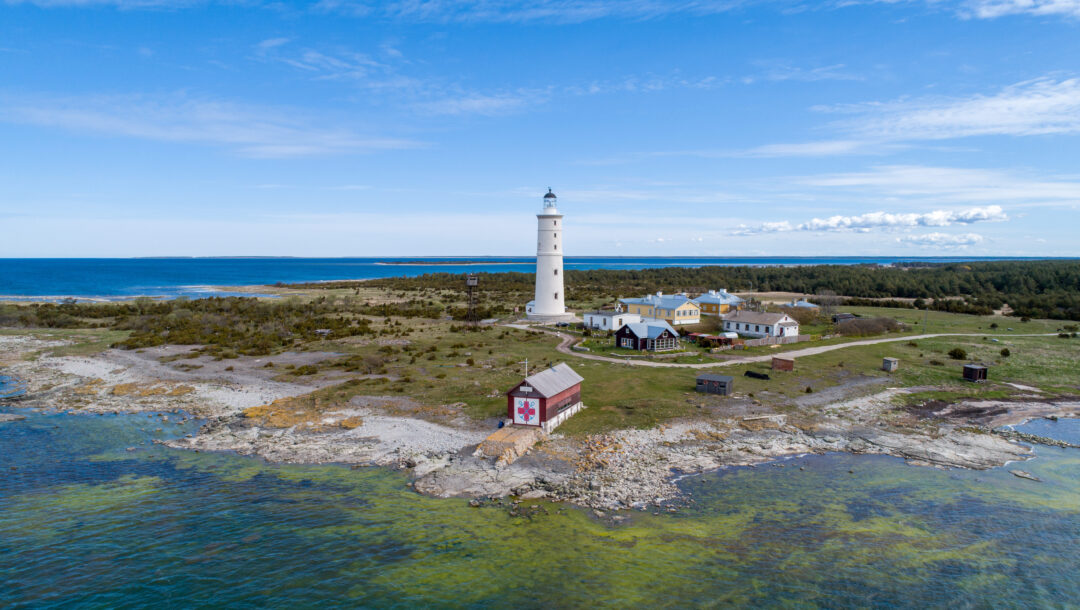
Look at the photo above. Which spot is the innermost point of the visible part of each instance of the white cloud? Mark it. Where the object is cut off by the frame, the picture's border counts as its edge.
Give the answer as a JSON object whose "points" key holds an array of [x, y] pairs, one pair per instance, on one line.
{"points": [[933, 185], [1035, 107], [992, 9], [882, 220], [941, 240], [249, 130]]}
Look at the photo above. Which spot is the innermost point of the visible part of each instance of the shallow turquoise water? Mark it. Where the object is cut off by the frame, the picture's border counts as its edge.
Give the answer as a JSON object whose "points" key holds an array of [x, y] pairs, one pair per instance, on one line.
{"points": [[86, 523]]}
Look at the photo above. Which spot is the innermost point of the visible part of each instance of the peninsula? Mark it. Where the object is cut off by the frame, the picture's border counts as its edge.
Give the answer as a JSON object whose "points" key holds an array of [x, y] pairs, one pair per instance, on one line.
{"points": [[388, 372]]}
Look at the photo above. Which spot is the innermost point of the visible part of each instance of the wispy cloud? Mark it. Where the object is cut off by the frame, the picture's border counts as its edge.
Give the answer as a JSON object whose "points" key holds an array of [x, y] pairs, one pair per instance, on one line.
{"points": [[882, 220], [1035, 107], [992, 9], [942, 240], [929, 185], [779, 70], [249, 130]]}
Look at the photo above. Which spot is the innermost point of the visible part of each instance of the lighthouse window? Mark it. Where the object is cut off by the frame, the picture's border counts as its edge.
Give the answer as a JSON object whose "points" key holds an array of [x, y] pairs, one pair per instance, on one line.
{"points": [[556, 295], [555, 234], [556, 271]]}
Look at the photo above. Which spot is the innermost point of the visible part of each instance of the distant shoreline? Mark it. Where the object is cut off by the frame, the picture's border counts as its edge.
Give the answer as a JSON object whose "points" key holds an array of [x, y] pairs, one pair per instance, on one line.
{"points": [[451, 263]]}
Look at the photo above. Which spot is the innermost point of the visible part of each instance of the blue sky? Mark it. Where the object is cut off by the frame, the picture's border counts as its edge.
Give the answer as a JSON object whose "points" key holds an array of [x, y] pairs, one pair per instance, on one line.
{"points": [[696, 127]]}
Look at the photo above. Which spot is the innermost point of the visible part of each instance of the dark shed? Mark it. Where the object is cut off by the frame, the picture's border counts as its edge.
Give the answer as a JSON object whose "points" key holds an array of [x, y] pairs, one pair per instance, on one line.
{"points": [[716, 384], [975, 372]]}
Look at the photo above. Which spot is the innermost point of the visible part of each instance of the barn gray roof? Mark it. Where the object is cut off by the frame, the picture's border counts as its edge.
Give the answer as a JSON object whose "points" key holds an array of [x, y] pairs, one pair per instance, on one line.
{"points": [[711, 377], [550, 382]]}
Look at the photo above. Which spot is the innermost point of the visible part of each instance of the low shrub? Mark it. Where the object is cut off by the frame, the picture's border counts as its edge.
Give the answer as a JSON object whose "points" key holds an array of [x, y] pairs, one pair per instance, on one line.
{"points": [[957, 353], [861, 327], [1005, 352]]}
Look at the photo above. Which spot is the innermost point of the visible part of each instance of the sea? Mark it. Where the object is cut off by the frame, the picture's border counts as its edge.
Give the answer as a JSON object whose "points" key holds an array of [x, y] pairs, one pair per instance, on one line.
{"points": [[93, 514], [126, 278]]}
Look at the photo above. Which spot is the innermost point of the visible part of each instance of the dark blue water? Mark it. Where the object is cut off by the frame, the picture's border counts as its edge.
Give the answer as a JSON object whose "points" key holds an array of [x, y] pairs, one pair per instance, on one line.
{"points": [[92, 515], [194, 277]]}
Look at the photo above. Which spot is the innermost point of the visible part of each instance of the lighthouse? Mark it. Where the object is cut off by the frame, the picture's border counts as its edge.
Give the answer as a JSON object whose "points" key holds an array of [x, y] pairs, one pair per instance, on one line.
{"points": [[548, 304]]}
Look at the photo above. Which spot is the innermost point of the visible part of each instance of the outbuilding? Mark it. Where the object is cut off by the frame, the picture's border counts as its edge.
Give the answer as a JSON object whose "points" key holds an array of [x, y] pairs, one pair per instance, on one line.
{"points": [[890, 364], [716, 384], [545, 399], [783, 364], [975, 372]]}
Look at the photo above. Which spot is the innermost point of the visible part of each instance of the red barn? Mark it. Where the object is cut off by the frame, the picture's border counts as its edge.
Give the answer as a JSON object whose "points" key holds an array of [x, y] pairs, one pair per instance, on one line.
{"points": [[545, 399]]}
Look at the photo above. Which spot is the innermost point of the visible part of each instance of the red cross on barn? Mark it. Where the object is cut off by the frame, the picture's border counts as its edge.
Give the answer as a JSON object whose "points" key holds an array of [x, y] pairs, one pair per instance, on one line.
{"points": [[526, 410]]}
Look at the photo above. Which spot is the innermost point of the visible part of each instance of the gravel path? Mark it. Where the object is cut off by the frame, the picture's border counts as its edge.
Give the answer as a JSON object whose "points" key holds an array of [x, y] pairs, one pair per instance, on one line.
{"points": [[568, 340]]}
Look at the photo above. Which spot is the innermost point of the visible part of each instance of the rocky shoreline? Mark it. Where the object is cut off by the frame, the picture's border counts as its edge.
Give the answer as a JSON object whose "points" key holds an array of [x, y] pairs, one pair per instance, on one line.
{"points": [[626, 469]]}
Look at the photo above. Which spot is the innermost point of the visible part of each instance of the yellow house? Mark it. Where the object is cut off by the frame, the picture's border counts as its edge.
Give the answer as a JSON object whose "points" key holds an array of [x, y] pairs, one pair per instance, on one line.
{"points": [[717, 302], [674, 309]]}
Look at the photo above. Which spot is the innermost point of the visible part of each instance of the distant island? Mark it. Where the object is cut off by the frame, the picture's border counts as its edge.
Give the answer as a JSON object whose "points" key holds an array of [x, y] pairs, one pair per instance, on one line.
{"points": [[452, 262]]}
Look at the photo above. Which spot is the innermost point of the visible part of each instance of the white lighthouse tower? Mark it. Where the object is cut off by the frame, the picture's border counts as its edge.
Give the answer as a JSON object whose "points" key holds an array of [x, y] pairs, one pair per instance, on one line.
{"points": [[548, 304]]}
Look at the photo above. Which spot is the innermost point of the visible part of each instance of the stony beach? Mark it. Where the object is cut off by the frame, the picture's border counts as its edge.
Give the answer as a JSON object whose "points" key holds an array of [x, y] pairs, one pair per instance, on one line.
{"points": [[619, 470]]}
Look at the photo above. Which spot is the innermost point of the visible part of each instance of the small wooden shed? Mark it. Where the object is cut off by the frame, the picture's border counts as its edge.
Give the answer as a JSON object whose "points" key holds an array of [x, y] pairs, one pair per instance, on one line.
{"points": [[545, 399], [890, 364], [783, 364], [716, 384], [975, 372]]}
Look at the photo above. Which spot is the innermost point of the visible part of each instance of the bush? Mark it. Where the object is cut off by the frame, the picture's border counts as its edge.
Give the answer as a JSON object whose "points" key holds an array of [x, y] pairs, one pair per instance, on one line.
{"points": [[937, 363], [809, 390], [861, 327], [1005, 353], [307, 369], [957, 353], [1063, 335]]}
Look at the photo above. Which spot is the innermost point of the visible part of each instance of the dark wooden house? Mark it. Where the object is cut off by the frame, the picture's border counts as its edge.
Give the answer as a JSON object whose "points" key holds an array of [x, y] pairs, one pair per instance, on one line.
{"points": [[545, 399], [716, 384], [653, 336], [975, 372]]}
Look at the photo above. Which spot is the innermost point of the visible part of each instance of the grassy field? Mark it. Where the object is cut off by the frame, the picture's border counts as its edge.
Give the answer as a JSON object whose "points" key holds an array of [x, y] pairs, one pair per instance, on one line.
{"points": [[450, 373]]}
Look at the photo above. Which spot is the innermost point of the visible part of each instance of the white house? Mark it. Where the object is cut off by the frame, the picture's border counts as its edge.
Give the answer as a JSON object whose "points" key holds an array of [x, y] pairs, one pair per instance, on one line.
{"points": [[610, 320], [753, 324]]}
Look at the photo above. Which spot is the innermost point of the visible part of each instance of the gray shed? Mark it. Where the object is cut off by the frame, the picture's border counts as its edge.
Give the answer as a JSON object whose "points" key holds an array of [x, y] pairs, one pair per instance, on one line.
{"points": [[890, 364], [716, 384]]}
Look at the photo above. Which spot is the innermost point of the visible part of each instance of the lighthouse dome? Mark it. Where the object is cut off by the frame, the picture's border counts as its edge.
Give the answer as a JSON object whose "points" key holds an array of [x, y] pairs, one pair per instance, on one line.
{"points": [[549, 195]]}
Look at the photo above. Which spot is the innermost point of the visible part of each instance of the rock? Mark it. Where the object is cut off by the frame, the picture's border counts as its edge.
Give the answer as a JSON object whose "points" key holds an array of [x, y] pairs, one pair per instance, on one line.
{"points": [[599, 514], [1025, 475], [6, 417]]}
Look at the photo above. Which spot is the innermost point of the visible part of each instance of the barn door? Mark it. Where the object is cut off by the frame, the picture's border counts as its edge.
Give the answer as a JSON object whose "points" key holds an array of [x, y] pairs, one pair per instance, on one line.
{"points": [[527, 411]]}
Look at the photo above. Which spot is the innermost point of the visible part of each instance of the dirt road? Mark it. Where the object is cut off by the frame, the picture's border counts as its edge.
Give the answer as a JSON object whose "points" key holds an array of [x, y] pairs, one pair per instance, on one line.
{"points": [[568, 340]]}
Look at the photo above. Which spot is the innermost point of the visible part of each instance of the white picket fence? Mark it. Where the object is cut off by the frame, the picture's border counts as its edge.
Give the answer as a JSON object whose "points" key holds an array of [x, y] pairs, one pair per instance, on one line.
{"points": [[776, 340]]}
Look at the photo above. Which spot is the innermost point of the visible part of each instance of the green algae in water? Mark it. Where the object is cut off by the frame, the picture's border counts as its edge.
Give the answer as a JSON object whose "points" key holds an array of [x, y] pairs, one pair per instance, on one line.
{"points": [[213, 529]]}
